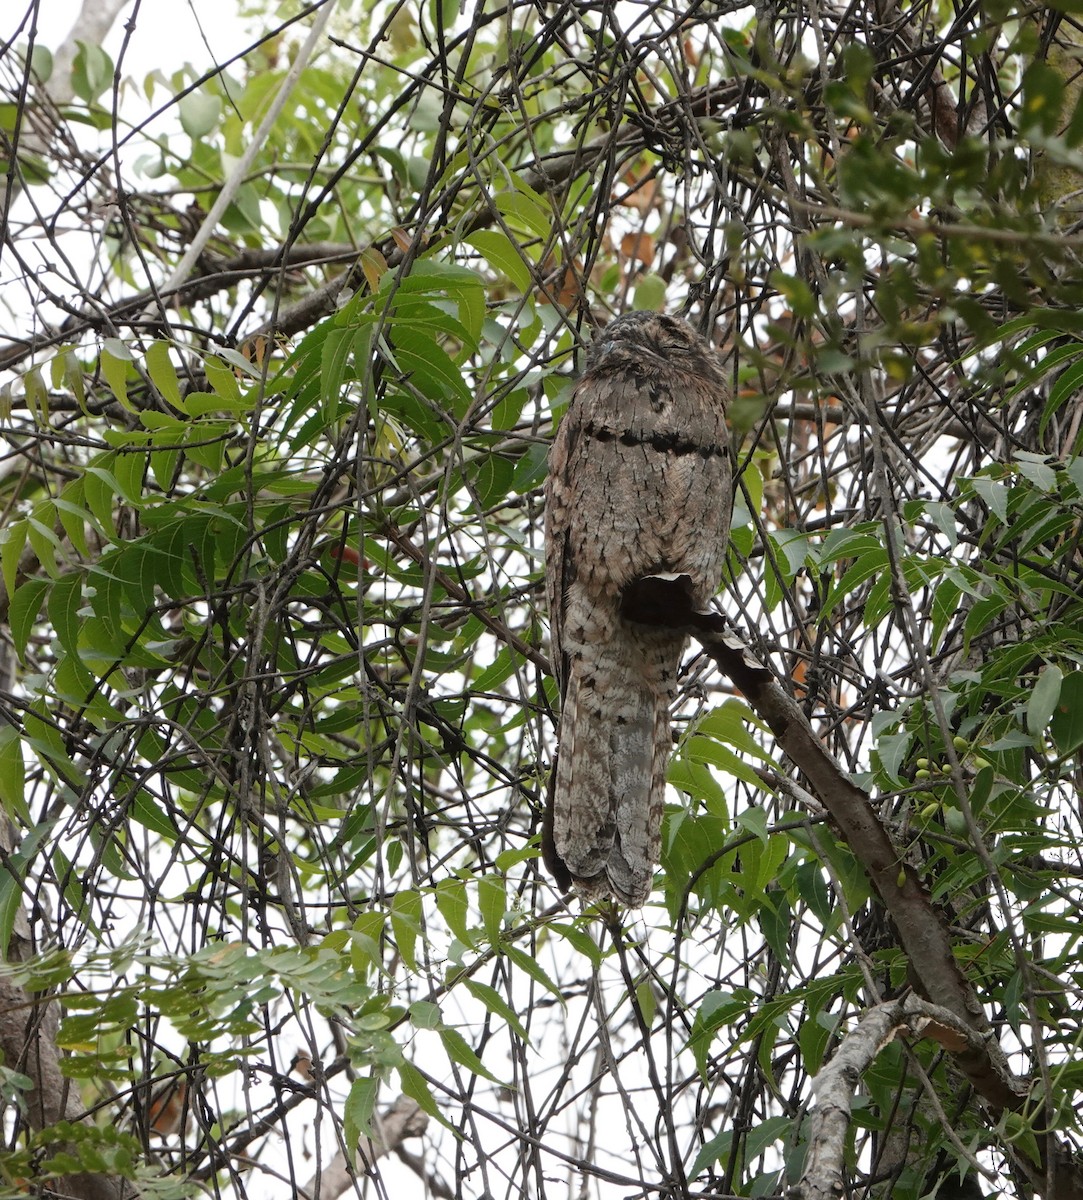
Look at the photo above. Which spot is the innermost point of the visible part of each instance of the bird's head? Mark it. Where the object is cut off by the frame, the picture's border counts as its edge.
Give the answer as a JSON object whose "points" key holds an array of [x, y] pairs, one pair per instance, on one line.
{"points": [[652, 338]]}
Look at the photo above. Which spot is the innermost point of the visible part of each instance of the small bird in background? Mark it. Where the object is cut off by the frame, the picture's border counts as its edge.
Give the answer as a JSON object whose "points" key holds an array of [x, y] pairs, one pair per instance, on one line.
{"points": [[639, 485], [301, 1066], [167, 1112]]}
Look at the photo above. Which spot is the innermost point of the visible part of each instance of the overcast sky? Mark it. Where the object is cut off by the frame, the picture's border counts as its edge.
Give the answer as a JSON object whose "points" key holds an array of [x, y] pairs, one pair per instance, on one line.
{"points": [[168, 33]]}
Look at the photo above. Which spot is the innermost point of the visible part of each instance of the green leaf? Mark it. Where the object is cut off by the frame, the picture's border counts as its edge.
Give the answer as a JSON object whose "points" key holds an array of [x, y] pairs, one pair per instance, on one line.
{"points": [[533, 968], [23, 613], [43, 537], [796, 292], [199, 113], [530, 470], [424, 1014], [873, 565], [47, 742], [994, 494], [648, 1005], [365, 944], [716, 1010], [99, 487], [495, 674], [113, 362], [11, 551], [699, 749], [163, 374], [12, 875], [1067, 723], [37, 395], [129, 471], [357, 1113], [764, 1135], [461, 1052], [502, 255], [429, 367], [429, 276], [813, 1035], [496, 1003], [793, 547], [453, 906], [65, 600], [74, 516], [754, 821], [41, 62], [522, 210], [1043, 98], [406, 924], [414, 1085], [335, 356], [776, 921], [223, 381], [812, 888], [1016, 1128], [1068, 384], [149, 812], [712, 1151], [728, 722], [1043, 700], [1036, 469], [91, 71], [12, 774], [581, 940], [760, 864], [492, 901], [650, 293], [892, 749], [493, 480]]}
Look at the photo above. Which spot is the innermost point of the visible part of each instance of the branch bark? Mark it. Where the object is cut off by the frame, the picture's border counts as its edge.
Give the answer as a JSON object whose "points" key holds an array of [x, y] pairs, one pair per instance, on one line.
{"points": [[656, 601], [404, 1119], [922, 933], [95, 19], [823, 1177], [28, 1028]]}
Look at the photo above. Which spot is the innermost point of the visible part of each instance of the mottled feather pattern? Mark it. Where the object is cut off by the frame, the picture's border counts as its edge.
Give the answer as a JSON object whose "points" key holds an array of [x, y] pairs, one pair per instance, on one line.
{"points": [[639, 484]]}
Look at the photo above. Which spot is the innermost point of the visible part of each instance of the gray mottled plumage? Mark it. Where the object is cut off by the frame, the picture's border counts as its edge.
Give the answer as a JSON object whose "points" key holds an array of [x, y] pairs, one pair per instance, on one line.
{"points": [[639, 484]]}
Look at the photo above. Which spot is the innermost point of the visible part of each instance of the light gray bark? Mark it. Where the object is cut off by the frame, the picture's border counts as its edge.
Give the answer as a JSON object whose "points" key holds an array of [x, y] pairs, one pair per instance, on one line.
{"points": [[96, 18]]}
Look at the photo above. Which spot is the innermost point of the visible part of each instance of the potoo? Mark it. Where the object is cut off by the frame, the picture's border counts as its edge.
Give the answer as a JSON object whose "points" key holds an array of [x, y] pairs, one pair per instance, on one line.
{"points": [[639, 485]]}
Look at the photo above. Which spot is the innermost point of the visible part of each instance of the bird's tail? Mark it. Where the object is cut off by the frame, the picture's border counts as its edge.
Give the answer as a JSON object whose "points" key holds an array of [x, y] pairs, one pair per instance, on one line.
{"points": [[608, 792]]}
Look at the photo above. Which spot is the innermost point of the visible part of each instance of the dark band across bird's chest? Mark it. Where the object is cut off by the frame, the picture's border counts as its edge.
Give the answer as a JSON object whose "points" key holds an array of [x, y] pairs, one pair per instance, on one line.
{"points": [[668, 442]]}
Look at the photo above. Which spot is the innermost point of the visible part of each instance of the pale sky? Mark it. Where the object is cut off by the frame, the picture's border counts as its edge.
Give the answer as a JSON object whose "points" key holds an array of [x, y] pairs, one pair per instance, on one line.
{"points": [[168, 33]]}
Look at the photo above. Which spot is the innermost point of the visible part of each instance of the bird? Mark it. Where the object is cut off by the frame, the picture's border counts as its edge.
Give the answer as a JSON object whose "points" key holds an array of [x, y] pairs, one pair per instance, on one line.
{"points": [[168, 1109], [639, 485]]}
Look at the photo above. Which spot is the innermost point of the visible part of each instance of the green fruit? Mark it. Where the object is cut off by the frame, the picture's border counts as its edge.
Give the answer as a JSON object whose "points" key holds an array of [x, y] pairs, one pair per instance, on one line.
{"points": [[955, 823]]}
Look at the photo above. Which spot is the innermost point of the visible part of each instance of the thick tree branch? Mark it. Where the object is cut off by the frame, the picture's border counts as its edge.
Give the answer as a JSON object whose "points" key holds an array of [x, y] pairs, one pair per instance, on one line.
{"points": [[96, 18], [658, 601], [922, 933], [823, 1177], [28, 1028], [404, 1119]]}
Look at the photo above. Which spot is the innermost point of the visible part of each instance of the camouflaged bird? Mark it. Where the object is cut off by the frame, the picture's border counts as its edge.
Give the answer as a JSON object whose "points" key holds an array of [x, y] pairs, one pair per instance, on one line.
{"points": [[639, 485]]}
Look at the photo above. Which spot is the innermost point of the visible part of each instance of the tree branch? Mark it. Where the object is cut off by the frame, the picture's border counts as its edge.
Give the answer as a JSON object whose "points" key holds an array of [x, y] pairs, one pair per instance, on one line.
{"points": [[823, 1177], [404, 1119], [666, 601], [660, 601], [95, 19], [28, 1028]]}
